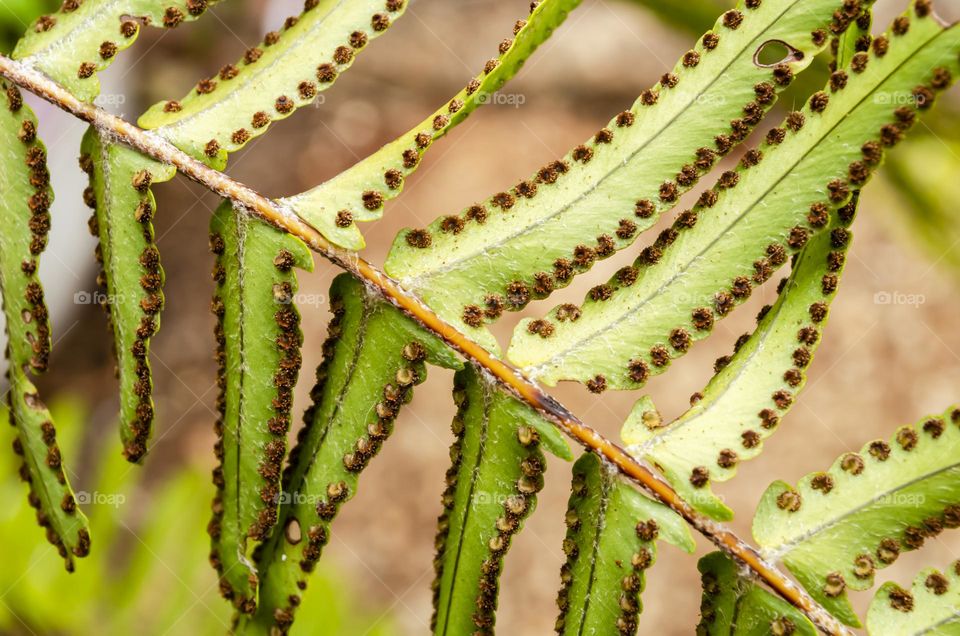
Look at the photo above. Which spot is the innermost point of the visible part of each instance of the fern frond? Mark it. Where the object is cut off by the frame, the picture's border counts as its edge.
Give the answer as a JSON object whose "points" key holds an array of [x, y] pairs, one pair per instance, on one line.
{"points": [[754, 388], [285, 72], [492, 485], [373, 357], [743, 229], [42, 468], [359, 193], [930, 608], [735, 605], [25, 218], [83, 38], [258, 338], [131, 279], [836, 528], [523, 243], [612, 534], [25, 206], [856, 39]]}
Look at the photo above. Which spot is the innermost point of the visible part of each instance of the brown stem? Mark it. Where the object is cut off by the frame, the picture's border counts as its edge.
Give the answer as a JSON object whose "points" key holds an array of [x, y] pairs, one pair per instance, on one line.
{"points": [[509, 376]]}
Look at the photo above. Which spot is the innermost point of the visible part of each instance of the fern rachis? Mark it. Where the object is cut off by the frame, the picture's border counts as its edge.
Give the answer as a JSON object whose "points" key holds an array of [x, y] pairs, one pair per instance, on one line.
{"points": [[792, 195]]}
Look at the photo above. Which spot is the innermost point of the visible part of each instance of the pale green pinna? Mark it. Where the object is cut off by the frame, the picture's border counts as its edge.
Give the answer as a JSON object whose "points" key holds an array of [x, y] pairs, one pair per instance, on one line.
{"points": [[789, 199]]}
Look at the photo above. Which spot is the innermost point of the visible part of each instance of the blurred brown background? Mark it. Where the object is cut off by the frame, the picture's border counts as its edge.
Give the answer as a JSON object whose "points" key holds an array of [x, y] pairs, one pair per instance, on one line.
{"points": [[880, 365]]}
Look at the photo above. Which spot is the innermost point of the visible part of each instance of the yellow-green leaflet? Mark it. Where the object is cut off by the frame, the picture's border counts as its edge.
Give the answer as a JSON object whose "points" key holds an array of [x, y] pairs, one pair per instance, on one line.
{"points": [[754, 388], [258, 357], [749, 224], [612, 536], [285, 72], [83, 38], [539, 232], [25, 219], [131, 280], [931, 607], [374, 356], [837, 527], [359, 193], [497, 471], [735, 605]]}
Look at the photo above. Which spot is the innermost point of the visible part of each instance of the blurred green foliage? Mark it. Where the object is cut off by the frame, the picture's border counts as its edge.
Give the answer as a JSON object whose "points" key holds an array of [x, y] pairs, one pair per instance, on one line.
{"points": [[692, 16], [15, 15], [148, 572], [924, 175]]}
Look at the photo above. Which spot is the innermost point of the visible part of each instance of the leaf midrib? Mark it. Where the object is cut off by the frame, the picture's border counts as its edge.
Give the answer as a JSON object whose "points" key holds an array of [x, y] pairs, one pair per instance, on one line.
{"points": [[744, 365], [417, 280], [605, 488], [474, 478], [301, 475], [112, 262], [56, 44], [241, 236], [366, 312], [953, 618], [251, 77], [787, 546], [721, 233]]}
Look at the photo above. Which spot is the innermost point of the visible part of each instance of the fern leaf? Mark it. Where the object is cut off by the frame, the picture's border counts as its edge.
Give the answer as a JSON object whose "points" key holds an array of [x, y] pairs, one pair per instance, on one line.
{"points": [[43, 470], [522, 244], [358, 194], [83, 38], [931, 608], [285, 72], [131, 276], [754, 388], [373, 357], [612, 534], [698, 15], [747, 226], [491, 488], [734, 605], [856, 39], [258, 336], [25, 206], [837, 527], [25, 217]]}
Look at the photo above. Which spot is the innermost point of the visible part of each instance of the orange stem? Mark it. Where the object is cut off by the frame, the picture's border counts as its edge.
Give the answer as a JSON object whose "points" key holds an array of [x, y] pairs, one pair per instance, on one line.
{"points": [[509, 376]]}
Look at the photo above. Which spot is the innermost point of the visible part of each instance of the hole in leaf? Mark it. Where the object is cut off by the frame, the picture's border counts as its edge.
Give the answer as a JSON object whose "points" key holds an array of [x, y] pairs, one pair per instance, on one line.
{"points": [[293, 532], [773, 52]]}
